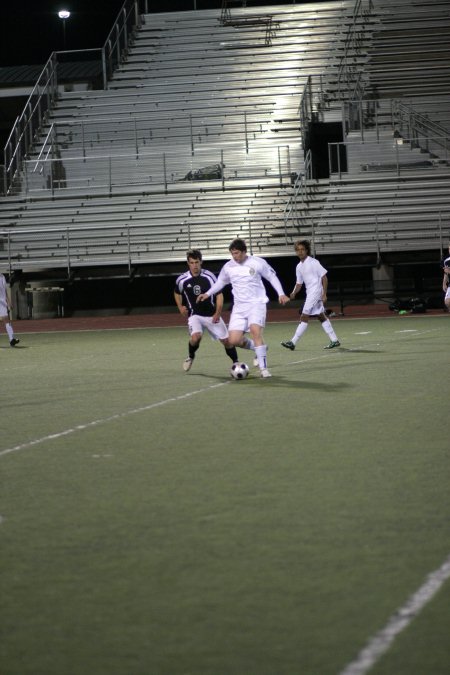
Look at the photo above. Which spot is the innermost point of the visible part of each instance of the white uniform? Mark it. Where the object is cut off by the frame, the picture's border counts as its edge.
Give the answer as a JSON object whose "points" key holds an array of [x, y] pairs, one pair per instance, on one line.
{"points": [[310, 272], [446, 263], [3, 299], [249, 292]]}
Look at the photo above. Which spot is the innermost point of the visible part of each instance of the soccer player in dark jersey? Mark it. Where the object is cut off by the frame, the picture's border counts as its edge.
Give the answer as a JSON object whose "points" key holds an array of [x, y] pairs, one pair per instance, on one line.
{"points": [[205, 315]]}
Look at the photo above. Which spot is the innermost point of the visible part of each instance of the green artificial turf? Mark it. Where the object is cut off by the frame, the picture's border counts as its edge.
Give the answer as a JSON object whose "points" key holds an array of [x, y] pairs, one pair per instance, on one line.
{"points": [[156, 522]]}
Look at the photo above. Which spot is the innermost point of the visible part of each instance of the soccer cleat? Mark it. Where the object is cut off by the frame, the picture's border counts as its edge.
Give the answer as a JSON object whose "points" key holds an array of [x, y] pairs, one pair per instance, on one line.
{"points": [[14, 342], [289, 345], [187, 363], [265, 372], [333, 344]]}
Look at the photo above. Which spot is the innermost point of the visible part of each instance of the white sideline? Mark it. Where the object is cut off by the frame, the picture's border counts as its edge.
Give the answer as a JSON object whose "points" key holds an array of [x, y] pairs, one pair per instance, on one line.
{"points": [[110, 418], [381, 641]]}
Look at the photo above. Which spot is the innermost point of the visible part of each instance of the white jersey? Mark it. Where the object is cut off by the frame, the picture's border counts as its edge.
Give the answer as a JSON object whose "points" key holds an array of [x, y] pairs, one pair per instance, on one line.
{"points": [[3, 299], [246, 280], [310, 272]]}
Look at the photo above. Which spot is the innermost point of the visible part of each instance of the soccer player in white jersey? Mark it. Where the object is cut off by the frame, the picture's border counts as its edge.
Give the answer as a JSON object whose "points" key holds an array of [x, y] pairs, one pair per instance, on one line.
{"points": [[245, 273], [5, 308], [446, 279], [310, 272]]}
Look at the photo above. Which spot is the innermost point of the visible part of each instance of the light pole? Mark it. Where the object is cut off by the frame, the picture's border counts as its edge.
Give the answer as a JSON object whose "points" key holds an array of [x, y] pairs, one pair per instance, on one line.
{"points": [[64, 15]]}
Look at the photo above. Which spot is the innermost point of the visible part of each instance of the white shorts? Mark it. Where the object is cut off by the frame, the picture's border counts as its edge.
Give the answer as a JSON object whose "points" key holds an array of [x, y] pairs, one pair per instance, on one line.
{"points": [[246, 314], [198, 324], [3, 309], [313, 306], [447, 293]]}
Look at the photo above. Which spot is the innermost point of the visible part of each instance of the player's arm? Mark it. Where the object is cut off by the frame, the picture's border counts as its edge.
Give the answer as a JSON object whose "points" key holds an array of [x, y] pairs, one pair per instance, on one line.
{"points": [[179, 300], [296, 290], [222, 280], [269, 273], [219, 306], [324, 288]]}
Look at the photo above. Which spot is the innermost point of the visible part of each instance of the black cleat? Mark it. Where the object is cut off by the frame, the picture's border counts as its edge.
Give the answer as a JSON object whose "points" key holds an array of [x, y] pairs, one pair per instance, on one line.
{"points": [[289, 345], [14, 342], [333, 344]]}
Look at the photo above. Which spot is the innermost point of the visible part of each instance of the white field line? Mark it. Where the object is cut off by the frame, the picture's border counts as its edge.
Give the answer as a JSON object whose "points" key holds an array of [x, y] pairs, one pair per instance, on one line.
{"points": [[380, 643], [126, 413], [105, 420]]}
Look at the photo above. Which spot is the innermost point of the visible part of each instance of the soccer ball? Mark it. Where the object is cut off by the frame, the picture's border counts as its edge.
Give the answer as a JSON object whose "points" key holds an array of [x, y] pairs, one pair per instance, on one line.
{"points": [[239, 371]]}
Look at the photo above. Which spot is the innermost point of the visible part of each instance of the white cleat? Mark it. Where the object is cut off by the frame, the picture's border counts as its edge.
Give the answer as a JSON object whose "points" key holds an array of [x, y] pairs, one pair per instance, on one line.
{"points": [[265, 372], [187, 363]]}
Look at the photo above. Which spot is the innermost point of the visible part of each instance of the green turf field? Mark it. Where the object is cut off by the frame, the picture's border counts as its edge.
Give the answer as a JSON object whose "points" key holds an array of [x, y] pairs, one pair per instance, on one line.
{"points": [[156, 522]]}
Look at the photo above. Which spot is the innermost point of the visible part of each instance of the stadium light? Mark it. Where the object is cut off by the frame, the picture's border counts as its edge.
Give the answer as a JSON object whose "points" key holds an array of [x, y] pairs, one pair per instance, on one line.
{"points": [[64, 15]]}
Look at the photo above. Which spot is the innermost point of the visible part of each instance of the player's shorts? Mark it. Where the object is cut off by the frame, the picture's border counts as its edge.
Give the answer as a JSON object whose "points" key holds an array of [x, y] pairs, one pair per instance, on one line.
{"points": [[313, 306], [447, 293], [198, 324], [3, 309], [247, 313]]}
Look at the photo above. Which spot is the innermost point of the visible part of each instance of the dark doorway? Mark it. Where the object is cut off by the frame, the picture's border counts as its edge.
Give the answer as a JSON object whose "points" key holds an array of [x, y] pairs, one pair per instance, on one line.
{"points": [[317, 138]]}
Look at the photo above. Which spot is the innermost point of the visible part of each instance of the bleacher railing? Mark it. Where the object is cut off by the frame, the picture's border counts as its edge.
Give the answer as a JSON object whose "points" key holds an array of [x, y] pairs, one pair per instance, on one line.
{"points": [[296, 209], [393, 161], [155, 171], [423, 132], [350, 74], [133, 244], [141, 132], [44, 94]]}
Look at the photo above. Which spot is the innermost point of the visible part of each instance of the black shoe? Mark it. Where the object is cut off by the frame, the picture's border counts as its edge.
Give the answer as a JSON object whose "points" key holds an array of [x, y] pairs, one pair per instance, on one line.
{"points": [[289, 345], [333, 344], [14, 342]]}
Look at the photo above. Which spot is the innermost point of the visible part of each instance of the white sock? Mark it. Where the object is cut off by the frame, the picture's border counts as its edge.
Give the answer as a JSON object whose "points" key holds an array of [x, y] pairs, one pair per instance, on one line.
{"points": [[261, 354], [302, 326], [328, 328], [9, 330]]}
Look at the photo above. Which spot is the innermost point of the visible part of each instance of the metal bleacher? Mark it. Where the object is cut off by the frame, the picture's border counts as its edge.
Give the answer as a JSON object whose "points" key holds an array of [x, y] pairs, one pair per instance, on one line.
{"points": [[193, 142], [392, 193], [197, 137]]}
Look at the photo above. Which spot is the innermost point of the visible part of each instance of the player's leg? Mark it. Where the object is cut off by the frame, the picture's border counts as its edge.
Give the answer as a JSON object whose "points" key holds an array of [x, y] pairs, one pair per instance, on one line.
{"points": [[447, 299], [195, 335], [301, 328], [329, 330], [257, 321], [219, 331], [13, 341]]}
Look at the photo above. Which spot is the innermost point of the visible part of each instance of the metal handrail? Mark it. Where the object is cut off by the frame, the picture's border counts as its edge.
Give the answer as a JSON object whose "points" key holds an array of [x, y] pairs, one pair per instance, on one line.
{"points": [[164, 167], [45, 91], [348, 73], [333, 152]]}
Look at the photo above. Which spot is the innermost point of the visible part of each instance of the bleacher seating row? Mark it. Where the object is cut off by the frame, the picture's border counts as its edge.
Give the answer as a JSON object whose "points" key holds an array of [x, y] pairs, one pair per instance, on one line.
{"points": [[192, 92]]}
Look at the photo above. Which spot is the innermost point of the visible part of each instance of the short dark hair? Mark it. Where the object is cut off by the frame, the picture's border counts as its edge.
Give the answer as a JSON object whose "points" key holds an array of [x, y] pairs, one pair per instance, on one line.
{"points": [[237, 245], [195, 254], [305, 243]]}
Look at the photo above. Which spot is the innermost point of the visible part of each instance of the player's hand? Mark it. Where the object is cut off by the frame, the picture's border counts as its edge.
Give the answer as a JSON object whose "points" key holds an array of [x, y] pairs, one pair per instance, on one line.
{"points": [[184, 310], [202, 297], [216, 318], [292, 295], [283, 299]]}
